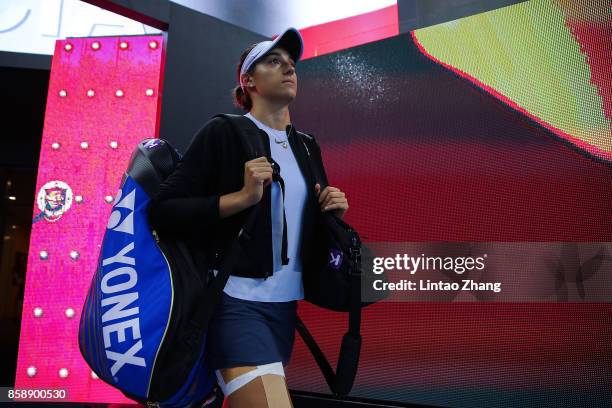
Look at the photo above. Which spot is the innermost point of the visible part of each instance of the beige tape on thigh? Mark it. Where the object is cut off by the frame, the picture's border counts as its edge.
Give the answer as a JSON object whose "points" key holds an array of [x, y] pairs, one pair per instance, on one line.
{"points": [[241, 380]]}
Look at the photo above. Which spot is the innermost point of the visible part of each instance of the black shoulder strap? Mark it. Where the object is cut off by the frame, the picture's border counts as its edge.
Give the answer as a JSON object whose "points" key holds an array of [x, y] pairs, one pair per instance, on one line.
{"points": [[248, 133], [249, 136], [251, 140], [315, 171]]}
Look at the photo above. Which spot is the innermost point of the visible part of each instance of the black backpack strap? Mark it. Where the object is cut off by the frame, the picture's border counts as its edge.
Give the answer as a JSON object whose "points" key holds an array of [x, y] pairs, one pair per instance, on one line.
{"points": [[249, 136], [306, 139], [248, 132], [340, 382], [251, 140]]}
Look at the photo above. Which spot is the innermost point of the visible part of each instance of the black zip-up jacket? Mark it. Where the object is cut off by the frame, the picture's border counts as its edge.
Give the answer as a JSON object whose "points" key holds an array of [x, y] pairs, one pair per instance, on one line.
{"points": [[213, 165]]}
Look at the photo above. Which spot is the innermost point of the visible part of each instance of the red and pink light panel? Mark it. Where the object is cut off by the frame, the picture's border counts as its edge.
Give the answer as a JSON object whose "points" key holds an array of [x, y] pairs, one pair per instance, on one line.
{"points": [[104, 97]]}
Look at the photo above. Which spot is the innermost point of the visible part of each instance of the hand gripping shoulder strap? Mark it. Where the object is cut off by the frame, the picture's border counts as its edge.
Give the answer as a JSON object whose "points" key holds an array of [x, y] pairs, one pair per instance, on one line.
{"points": [[249, 135]]}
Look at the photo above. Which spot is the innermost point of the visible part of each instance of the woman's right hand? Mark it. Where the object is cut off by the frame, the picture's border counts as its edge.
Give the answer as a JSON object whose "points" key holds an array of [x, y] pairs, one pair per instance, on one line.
{"points": [[257, 176]]}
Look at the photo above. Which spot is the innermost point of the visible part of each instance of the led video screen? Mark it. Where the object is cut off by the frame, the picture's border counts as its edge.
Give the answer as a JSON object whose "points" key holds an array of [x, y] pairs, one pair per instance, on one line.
{"points": [[488, 134]]}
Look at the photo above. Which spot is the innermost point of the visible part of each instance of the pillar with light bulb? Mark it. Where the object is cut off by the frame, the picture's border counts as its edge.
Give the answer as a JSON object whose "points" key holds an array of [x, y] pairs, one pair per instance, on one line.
{"points": [[104, 97]]}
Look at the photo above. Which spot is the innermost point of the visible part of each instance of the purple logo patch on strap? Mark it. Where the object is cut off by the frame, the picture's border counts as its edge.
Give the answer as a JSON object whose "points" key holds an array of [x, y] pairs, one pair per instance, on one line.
{"points": [[335, 258]]}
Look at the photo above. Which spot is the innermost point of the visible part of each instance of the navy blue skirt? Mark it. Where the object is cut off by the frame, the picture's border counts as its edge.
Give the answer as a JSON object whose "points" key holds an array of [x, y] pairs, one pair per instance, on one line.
{"points": [[247, 333]]}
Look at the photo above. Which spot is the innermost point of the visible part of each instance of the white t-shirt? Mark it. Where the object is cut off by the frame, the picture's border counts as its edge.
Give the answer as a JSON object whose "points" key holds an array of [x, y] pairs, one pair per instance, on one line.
{"points": [[285, 284]]}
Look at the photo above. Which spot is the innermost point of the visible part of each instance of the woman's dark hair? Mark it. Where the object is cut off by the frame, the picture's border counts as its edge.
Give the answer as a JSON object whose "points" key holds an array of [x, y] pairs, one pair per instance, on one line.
{"points": [[242, 98]]}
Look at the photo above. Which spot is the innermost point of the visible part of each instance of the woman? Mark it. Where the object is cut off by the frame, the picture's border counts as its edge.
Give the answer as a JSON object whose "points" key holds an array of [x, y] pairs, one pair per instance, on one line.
{"points": [[250, 337]]}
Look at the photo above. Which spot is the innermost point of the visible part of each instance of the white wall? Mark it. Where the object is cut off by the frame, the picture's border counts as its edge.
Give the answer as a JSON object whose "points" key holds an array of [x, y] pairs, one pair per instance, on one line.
{"points": [[32, 26]]}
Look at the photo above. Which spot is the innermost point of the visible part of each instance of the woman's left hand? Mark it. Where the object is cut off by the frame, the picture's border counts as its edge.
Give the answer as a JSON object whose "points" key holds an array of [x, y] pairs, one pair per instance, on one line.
{"points": [[332, 199]]}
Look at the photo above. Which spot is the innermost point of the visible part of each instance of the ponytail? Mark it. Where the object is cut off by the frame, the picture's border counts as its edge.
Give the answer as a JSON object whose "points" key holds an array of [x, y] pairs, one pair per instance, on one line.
{"points": [[242, 99]]}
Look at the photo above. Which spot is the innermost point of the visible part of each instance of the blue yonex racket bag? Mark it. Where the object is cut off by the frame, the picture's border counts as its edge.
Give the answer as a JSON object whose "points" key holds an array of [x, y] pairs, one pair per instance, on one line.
{"points": [[143, 325]]}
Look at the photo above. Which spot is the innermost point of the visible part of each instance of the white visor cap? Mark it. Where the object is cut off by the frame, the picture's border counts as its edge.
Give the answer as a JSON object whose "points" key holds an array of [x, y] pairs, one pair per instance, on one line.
{"points": [[290, 40]]}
